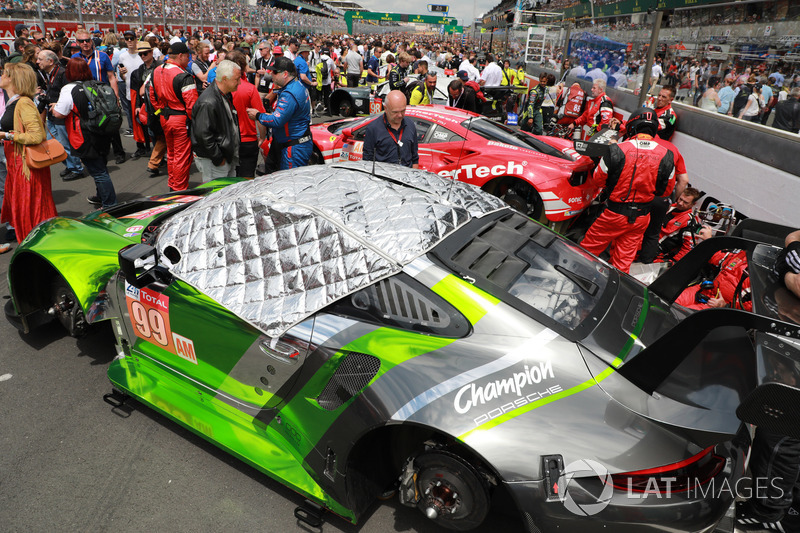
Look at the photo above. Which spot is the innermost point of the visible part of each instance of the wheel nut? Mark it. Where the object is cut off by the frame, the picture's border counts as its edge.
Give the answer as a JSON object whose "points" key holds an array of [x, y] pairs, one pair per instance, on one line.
{"points": [[431, 513]]}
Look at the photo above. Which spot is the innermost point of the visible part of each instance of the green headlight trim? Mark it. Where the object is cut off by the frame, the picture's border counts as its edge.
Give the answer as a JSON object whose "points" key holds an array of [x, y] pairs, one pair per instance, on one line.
{"points": [[406, 345], [626, 349]]}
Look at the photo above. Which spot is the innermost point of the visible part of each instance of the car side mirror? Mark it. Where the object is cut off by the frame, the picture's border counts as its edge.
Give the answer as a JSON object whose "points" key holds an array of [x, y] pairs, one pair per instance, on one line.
{"points": [[347, 133], [144, 258]]}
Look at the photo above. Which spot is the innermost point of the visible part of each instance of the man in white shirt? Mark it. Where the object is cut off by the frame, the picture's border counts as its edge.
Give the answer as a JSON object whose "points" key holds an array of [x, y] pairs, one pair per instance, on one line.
{"points": [[578, 71], [129, 61], [492, 75], [468, 66], [597, 72]]}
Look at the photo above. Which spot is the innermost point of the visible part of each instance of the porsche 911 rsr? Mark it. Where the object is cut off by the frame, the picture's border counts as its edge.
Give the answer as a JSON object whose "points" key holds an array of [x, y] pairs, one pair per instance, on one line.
{"points": [[349, 330], [541, 176]]}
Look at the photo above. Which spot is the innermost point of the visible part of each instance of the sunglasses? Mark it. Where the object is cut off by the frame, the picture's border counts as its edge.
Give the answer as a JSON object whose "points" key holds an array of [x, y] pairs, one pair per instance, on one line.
{"points": [[142, 54], [83, 40], [40, 40], [130, 38]]}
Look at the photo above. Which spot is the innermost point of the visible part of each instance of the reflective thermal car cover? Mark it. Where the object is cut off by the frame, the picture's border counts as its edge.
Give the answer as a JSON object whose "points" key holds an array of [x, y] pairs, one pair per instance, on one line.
{"points": [[279, 248]]}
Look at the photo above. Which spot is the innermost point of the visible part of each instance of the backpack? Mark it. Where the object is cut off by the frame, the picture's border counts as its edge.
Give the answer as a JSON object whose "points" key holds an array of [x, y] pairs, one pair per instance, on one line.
{"points": [[410, 87], [323, 70], [151, 119], [478, 91], [105, 115], [741, 99]]}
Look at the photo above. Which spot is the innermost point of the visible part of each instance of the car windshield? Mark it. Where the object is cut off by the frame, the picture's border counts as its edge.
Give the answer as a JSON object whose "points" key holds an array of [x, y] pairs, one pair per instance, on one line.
{"points": [[492, 131], [529, 267], [336, 128]]}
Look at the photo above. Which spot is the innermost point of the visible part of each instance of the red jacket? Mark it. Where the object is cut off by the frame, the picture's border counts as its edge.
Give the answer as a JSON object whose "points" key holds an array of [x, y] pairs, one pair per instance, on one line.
{"points": [[246, 96], [676, 238], [636, 171], [667, 120], [732, 270], [599, 113], [575, 98], [173, 90]]}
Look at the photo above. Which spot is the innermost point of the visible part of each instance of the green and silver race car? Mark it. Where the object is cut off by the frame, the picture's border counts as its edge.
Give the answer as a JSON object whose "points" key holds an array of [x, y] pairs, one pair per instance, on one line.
{"points": [[365, 328]]}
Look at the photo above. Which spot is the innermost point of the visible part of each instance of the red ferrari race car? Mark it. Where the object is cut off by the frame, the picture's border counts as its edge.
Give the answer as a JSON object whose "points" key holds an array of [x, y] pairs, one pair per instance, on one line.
{"points": [[536, 175]]}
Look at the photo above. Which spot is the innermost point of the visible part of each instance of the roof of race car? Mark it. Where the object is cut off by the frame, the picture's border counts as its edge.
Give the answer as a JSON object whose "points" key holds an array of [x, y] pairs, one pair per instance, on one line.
{"points": [[279, 248]]}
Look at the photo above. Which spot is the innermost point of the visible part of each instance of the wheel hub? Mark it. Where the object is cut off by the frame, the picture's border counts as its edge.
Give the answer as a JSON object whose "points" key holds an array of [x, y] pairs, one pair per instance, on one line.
{"points": [[441, 498]]}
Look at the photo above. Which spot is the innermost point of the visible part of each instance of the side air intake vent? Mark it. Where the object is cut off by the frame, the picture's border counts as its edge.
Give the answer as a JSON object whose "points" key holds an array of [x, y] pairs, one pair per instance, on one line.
{"points": [[353, 374]]}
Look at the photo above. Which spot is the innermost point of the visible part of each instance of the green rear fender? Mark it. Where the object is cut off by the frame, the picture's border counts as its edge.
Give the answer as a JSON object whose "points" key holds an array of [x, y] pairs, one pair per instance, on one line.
{"points": [[82, 252]]}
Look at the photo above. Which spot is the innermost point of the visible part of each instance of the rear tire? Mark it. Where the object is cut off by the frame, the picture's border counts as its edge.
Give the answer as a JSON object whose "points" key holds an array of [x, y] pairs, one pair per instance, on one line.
{"points": [[346, 108], [451, 489], [316, 158]]}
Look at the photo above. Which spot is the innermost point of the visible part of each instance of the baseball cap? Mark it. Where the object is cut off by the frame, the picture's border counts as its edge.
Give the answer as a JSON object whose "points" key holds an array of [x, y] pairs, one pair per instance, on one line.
{"points": [[277, 50], [60, 34], [294, 40], [20, 27], [178, 48], [282, 64], [129, 33], [463, 75]]}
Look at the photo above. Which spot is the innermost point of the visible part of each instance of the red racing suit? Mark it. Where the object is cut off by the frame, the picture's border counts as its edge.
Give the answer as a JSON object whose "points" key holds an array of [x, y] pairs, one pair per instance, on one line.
{"points": [[635, 172], [667, 120], [599, 113], [732, 283], [173, 94], [676, 237]]}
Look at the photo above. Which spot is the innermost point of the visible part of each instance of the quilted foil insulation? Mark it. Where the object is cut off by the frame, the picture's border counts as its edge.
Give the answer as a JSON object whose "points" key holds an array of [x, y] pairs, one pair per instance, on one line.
{"points": [[279, 248]]}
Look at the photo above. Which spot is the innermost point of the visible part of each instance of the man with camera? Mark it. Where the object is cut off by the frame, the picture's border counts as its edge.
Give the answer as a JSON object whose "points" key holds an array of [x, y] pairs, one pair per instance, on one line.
{"points": [[53, 74]]}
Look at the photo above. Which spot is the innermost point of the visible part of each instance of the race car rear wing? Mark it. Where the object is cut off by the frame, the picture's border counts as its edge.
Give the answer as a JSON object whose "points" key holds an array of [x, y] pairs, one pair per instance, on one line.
{"points": [[769, 337]]}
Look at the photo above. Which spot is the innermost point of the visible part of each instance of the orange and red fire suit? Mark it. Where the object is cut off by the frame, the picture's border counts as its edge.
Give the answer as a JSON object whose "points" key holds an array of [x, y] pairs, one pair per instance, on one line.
{"points": [[173, 95], [635, 172], [732, 283]]}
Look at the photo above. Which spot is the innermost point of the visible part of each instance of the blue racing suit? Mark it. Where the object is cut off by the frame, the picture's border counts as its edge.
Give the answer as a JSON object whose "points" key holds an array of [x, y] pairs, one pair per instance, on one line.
{"points": [[290, 122]]}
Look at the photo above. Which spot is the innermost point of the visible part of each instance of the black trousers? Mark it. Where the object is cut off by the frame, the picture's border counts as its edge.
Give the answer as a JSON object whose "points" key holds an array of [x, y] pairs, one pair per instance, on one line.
{"points": [[658, 210], [248, 158], [775, 458], [352, 80]]}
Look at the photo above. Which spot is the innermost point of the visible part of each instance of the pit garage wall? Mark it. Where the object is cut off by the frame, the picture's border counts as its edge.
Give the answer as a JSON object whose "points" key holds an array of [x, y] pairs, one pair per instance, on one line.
{"points": [[752, 167]]}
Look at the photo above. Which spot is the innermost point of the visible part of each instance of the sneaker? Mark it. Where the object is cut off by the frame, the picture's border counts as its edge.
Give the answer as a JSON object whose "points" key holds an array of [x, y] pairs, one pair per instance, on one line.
{"points": [[72, 176], [153, 172], [65, 172], [128, 133], [137, 154], [95, 200], [4, 248], [121, 159], [749, 520]]}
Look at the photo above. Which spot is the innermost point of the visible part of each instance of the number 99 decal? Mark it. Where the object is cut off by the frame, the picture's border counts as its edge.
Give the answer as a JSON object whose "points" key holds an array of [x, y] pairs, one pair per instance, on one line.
{"points": [[149, 312], [149, 323]]}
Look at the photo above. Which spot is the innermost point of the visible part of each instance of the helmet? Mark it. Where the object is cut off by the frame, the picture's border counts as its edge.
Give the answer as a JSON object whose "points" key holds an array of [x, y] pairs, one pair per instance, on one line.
{"points": [[642, 121]]}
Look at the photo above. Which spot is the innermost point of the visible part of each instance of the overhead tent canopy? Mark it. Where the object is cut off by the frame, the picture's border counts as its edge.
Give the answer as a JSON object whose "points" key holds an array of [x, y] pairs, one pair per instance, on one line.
{"points": [[596, 41]]}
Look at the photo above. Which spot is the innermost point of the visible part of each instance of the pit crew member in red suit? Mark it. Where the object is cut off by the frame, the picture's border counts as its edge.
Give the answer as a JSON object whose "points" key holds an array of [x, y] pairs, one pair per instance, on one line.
{"points": [[731, 287], [667, 120], [599, 112], [678, 233], [633, 172], [173, 94]]}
